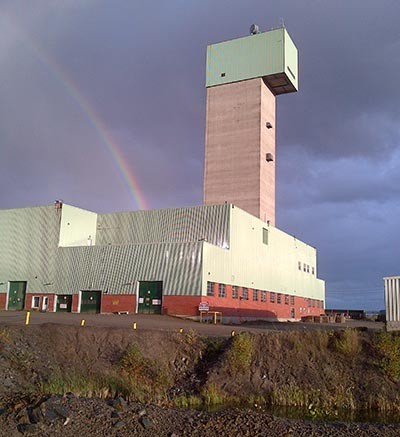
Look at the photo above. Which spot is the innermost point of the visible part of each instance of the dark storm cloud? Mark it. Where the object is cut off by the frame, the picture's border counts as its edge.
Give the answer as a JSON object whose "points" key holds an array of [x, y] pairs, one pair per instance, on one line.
{"points": [[141, 65]]}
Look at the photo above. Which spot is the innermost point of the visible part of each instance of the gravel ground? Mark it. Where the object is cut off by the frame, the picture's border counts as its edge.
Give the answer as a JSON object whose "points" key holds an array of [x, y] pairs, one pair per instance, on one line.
{"points": [[71, 416], [168, 323]]}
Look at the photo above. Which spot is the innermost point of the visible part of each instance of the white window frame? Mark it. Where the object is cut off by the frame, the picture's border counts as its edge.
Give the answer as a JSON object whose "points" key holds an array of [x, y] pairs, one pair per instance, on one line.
{"points": [[33, 302]]}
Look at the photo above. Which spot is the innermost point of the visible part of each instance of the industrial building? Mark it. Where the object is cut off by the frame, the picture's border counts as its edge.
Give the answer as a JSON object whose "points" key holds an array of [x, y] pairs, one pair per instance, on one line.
{"points": [[226, 255], [392, 302]]}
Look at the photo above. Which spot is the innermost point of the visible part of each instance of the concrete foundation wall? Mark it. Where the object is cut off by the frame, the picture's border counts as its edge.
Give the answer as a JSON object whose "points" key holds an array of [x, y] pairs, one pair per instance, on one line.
{"points": [[392, 326]]}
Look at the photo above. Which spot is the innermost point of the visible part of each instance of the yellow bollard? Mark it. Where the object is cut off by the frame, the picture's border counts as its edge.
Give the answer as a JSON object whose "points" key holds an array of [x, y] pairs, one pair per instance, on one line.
{"points": [[232, 333], [134, 326], [83, 322], [28, 316], [181, 330]]}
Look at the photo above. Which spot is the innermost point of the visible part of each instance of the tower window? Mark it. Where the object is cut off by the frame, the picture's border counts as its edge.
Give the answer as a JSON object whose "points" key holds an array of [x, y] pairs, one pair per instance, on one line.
{"points": [[265, 236], [222, 74]]}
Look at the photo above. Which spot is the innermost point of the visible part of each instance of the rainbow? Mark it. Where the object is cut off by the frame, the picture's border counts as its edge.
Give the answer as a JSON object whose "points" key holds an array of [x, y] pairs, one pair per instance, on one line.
{"points": [[87, 109]]}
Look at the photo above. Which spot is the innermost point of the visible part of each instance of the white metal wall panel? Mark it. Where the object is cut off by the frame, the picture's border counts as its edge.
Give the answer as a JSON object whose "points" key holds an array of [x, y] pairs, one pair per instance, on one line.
{"points": [[392, 298], [251, 263], [28, 246]]}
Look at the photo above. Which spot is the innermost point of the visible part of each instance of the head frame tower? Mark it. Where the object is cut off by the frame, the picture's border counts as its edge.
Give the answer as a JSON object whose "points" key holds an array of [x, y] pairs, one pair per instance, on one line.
{"points": [[243, 78]]}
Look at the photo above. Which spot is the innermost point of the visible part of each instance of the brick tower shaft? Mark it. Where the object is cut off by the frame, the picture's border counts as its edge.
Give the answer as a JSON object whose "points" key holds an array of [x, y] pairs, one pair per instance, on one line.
{"points": [[240, 148]]}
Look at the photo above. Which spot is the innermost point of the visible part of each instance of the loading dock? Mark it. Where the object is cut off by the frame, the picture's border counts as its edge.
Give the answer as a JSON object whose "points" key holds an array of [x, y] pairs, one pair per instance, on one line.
{"points": [[150, 297], [90, 301], [64, 303], [16, 295]]}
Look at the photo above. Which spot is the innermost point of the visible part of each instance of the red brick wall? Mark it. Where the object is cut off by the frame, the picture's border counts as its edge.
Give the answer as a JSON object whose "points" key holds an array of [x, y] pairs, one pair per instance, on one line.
{"points": [[75, 301], [181, 305], [112, 303], [251, 308], [188, 305], [3, 298], [50, 305]]}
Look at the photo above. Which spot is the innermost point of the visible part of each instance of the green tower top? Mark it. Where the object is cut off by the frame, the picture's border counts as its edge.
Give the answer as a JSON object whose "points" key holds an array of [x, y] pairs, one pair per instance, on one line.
{"points": [[271, 55]]}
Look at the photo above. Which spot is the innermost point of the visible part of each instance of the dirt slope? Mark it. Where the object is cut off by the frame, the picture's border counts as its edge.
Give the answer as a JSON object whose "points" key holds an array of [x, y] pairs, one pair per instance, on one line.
{"points": [[324, 372]]}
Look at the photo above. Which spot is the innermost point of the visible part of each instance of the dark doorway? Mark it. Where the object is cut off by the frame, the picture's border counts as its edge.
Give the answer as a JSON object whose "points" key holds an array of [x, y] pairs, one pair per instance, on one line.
{"points": [[64, 303]]}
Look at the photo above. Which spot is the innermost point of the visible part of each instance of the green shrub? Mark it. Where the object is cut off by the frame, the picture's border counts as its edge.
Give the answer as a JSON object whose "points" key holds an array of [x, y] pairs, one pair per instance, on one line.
{"points": [[240, 353], [388, 347], [142, 370], [347, 342]]}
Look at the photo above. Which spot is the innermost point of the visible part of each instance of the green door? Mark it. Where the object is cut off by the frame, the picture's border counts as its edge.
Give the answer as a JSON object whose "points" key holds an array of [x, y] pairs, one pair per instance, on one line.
{"points": [[150, 297], [64, 303], [16, 296], [91, 301]]}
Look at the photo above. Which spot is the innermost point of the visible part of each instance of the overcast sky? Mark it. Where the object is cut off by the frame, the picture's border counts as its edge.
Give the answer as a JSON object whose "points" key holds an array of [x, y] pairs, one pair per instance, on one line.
{"points": [[138, 68]]}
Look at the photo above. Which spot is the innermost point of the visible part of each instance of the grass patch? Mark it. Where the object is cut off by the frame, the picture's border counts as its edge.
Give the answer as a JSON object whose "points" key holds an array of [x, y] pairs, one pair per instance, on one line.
{"points": [[188, 401], [240, 353], [317, 404], [212, 396], [81, 384]]}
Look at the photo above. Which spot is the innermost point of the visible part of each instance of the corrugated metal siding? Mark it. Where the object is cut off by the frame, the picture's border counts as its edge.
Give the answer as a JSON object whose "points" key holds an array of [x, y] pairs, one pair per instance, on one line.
{"points": [[174, 225], [392, 298], [160, 245], [118, 268], [28, 246]]}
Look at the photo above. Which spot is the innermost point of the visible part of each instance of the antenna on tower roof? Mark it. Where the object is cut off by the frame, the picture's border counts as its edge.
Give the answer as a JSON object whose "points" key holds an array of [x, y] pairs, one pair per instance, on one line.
{"points": [[282, 23], [254, 29]]}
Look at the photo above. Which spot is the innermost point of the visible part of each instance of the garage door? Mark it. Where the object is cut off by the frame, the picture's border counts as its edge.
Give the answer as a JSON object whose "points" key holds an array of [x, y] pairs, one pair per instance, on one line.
{"points": [[150, 297], [16, 296], [90, 301]]}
